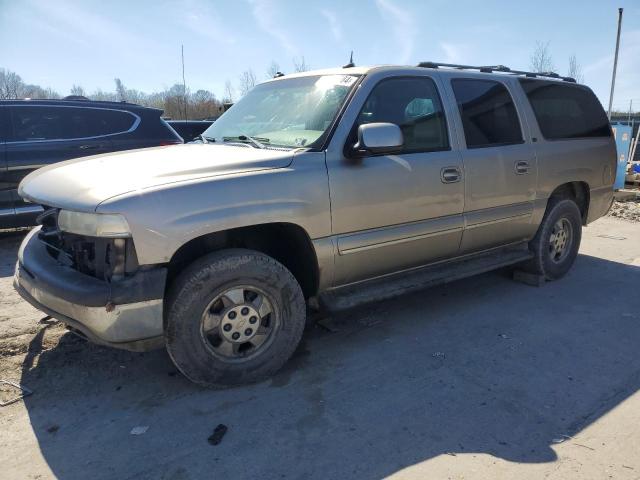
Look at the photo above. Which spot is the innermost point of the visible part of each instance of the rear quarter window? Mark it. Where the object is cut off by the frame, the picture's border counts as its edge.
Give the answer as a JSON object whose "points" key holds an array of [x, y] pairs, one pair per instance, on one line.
{"points": [[108, 122], [566, 111]]}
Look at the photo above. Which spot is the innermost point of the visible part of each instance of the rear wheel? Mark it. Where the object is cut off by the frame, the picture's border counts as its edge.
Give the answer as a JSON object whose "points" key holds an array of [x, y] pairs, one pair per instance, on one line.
{"points": [[557, 241], [233, 317]]}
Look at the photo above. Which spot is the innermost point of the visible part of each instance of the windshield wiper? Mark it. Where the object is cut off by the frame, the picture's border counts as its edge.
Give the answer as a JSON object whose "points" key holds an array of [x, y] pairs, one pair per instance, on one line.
{"points": [[205, 139], [256, 142]]}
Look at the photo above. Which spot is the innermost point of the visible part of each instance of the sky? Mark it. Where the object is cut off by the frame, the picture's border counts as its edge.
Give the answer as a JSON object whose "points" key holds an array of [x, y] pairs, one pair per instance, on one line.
{"points": [[59, 43]]}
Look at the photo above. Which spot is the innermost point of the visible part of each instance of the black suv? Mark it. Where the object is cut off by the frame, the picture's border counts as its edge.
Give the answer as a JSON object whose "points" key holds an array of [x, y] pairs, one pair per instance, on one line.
{"points": [[35, 133]]}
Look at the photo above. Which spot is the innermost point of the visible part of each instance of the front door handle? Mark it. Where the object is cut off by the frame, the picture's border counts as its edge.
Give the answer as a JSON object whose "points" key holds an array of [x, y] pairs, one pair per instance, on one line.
{"points": [[522, 167], [90, 147], [450, 175]]}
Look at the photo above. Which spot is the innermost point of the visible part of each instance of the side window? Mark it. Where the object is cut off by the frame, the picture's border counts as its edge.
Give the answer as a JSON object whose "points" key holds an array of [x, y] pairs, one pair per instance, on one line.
{"points": [[489, 117], [565, 110], [4, 124], [414, 105], [37, 123], [65, 123], [108, 122]]}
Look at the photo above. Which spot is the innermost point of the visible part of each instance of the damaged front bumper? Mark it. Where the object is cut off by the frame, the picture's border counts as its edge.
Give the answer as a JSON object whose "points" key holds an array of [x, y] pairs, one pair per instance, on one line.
{"points": [[124, 314]]}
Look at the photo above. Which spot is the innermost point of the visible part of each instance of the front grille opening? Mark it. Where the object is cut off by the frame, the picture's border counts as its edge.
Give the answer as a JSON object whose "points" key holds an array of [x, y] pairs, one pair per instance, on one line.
{"points": [[103, 258]]}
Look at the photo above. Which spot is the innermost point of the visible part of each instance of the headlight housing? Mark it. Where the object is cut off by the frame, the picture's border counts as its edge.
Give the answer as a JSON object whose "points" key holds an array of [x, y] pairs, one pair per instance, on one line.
{"points": [[94, 224]]}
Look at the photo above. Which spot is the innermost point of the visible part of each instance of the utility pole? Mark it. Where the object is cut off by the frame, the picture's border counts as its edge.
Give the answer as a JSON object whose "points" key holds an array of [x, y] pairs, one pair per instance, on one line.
{"points": [[184, 85], [615, 62], [630, 107]]}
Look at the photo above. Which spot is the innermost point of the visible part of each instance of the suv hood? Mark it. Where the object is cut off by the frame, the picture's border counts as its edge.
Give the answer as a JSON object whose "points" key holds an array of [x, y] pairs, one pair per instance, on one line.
{"points": [[84, 183]]}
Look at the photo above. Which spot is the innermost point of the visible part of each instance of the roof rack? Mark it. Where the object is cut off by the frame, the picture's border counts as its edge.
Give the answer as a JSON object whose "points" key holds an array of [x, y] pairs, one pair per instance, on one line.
{"points": [[496, 68]]}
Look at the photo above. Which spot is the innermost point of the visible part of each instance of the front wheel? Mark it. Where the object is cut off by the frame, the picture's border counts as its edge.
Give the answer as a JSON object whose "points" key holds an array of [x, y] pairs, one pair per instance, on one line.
{"points": [[233, 317], [557, 241]]}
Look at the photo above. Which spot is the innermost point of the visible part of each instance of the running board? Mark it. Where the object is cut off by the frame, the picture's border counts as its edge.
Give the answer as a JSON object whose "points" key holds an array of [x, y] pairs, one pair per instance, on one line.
{"points": [[393, 285]]}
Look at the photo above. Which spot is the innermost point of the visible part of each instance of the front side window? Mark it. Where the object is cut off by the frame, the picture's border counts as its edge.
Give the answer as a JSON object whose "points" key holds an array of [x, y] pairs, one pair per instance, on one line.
{"points": [[4, 124], [414, 105], [291, 112], [38, 123], [489, 117], [566, 111]]}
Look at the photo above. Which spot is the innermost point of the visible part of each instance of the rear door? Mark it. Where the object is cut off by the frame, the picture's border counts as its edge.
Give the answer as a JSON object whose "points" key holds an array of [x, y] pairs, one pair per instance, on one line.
{"points": [[499, 163], [46, 134]]}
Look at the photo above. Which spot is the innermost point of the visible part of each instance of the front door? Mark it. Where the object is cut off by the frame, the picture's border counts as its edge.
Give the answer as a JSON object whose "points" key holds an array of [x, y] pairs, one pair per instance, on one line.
{"points": [[499, 162], [392, 212]]}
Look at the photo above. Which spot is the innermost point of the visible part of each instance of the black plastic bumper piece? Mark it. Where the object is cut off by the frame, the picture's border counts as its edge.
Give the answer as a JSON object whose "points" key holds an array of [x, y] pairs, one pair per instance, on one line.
{"points": [[43, 272]]}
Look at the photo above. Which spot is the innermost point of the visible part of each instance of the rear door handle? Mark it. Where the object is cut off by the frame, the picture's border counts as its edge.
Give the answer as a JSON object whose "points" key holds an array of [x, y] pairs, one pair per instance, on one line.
{"points": [[450, 175], [522, 167]]}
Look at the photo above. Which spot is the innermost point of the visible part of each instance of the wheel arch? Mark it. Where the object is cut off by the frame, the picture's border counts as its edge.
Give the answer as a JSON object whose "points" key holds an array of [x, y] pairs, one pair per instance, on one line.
{"points": [[577, 191], [288, 243]]}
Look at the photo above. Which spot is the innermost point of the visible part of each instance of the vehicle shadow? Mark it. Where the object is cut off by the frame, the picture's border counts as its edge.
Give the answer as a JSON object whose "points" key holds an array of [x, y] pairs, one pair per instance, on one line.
{"points": [[482, 365]]}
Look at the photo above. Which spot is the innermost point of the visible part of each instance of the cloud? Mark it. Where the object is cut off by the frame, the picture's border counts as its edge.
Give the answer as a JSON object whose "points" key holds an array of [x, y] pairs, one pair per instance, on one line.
{"points": [[452, 53], [206, 23], [402, 25], [263, 13], [334, 24], [598, 73], [70, 17]]}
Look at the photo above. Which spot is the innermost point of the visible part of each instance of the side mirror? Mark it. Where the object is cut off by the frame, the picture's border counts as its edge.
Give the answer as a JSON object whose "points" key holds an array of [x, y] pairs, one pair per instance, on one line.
{"points": [[377, 138]]}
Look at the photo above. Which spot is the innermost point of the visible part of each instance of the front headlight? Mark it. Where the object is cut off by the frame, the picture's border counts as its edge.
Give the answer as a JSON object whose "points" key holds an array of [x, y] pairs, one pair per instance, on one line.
{"points": [[93, 224]]}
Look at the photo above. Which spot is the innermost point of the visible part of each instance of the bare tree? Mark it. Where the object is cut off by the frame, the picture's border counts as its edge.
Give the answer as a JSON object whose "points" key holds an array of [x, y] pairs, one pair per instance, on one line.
{"points": [[299, 65], [540, 60], [11, 85], [273, 69], [228, 92], [247, 81], [121, 91], [204, 105], [77, 90], [575, 69], [101, 95]]}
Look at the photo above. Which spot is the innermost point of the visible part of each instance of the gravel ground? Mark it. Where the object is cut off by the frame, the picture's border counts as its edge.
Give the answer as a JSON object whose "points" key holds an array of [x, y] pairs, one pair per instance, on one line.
{"points": [[484, 378], [626, 210]]}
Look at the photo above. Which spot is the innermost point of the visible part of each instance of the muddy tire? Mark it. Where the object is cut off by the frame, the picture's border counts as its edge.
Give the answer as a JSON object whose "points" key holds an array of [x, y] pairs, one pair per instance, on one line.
{"points": [[557, 240], [233, 317]]}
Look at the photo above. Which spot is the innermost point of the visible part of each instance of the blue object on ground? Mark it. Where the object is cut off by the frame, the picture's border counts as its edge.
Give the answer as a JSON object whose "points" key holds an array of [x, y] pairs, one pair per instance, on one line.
{"points": [[622, 134]]}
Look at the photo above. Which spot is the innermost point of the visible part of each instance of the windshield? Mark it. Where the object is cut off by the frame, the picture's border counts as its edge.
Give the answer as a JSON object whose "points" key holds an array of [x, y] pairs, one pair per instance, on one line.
{"points": [[294, 112]]}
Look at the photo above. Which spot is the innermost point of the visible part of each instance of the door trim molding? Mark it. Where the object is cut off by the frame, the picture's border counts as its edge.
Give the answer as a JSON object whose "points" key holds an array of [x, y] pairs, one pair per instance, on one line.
{"points": [[491, 216], [406, 232]]}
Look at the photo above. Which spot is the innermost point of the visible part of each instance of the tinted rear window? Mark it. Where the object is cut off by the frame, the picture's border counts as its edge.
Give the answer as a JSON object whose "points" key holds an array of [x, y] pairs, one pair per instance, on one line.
{"points": [[31, 123], [489, 117], [566, 110]]}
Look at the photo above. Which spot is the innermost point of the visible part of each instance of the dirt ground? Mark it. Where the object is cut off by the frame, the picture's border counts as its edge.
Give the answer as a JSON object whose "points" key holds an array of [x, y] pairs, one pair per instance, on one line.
{"points": [[483, 378], [626, 210]]}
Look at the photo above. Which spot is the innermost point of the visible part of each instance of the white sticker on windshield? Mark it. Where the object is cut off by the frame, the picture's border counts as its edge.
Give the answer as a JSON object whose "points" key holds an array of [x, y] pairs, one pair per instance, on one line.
{"points": [[348, 80]]}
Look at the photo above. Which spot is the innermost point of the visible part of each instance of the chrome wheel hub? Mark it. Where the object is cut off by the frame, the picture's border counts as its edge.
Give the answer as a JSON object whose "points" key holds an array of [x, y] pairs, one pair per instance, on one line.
{"points": [[560, 240], [239, 323]]}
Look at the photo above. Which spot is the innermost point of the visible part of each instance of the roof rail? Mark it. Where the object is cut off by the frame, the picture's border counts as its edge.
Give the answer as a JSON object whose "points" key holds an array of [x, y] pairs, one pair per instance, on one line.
{"points": [[496, 68]]}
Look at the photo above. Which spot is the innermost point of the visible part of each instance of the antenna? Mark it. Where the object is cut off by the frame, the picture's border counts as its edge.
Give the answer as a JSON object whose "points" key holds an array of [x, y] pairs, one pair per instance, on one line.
{"points": [[615, 63], [350, 64], [184, 85]]}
